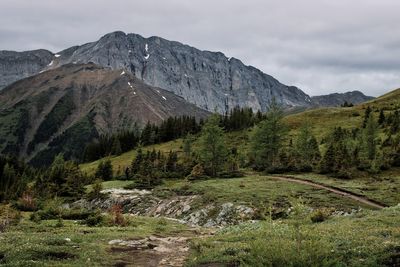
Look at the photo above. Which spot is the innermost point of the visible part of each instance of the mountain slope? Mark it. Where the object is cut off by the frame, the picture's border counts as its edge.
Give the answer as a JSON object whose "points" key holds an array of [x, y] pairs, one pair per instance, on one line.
{"points": [[207, 79], [337, 99], [18, 65], [62, 109], [324, 119]]}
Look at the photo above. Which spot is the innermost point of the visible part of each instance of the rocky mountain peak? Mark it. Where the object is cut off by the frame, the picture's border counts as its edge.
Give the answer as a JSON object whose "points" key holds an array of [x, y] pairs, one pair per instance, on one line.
{"points": [[207, 79]]}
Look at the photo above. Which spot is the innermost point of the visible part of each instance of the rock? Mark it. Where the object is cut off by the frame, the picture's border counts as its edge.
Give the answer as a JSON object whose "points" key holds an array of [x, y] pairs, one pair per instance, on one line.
{"points": [[337, 99], [178, 208], [17, 65], [209, 80]]}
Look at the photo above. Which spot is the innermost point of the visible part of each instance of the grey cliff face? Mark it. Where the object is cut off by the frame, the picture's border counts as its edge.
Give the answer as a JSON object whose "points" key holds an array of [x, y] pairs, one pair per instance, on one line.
{"points": [[18, 65], [209, 80]]}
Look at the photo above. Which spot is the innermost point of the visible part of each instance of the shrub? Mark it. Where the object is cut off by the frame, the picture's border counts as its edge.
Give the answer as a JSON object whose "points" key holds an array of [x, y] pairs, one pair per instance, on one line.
{"points": [[51, 210], [161, 225], [27, 202], [35, 217], [8, 216], [197, 173], [319, 215], [94, 219], [117, 218], [60, 222], [95, 193]]}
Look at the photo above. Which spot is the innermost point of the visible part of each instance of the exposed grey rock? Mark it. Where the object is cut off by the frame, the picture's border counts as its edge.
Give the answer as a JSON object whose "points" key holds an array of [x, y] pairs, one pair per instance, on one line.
{"points": [[208, 79], [179, 208], [18, 65], [337, 99]]}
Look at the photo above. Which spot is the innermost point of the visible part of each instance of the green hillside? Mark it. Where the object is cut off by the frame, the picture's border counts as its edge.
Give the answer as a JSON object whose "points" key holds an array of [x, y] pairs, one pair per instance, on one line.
{"points": [[324, 119]]}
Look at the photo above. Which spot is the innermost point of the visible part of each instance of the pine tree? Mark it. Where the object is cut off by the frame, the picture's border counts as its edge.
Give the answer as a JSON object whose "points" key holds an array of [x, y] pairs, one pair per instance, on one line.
{"points": [[74, 181], [104, 170], [268, 138], [337, 159], [116, 147], [381, 119], [172, 162], [8, 177], [368, 111], [136, 163], [307, 148], [370, 135], [327, 164], [187, 146], [212, 150]]}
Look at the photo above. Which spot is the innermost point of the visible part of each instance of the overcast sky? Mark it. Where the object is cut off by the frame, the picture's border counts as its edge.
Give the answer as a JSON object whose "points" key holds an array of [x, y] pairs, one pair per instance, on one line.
{"points": [[320, 46]]}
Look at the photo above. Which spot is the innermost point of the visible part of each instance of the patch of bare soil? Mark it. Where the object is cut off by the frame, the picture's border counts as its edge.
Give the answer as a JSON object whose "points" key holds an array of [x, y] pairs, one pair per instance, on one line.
{"points": [[151, 251]]}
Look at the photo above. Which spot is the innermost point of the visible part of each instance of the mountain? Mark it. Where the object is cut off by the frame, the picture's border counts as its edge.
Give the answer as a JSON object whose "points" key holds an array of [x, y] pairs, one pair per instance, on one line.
{"points": [[337, 99], [209, 80], [17, 65], [60, 110]]}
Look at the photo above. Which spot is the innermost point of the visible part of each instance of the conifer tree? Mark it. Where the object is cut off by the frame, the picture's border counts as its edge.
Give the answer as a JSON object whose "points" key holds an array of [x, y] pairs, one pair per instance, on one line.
{"points": [[104, 170], [368, 111], [268, 138], [212, 150], [187, 146], [116, 147], [136, 163], [307, 148], [370, 137], [381, 119]]}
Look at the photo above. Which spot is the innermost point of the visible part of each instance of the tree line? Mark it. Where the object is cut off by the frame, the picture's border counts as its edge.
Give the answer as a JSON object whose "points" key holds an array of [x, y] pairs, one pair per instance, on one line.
{"points": [[206, 152], [170, 129]]}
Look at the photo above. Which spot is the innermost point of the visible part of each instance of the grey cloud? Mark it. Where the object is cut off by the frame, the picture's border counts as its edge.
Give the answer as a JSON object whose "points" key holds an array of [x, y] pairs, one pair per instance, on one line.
{"points": [[320, 46]]}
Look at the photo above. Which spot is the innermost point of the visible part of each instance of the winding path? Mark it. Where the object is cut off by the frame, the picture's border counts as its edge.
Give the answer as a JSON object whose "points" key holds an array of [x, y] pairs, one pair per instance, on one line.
{"points": [[334, 190]]}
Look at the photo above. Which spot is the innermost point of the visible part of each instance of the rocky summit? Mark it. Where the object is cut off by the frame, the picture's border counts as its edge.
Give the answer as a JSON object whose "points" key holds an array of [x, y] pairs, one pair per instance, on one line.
{"points": [[209, 80], [18, 65], [337, 99]]}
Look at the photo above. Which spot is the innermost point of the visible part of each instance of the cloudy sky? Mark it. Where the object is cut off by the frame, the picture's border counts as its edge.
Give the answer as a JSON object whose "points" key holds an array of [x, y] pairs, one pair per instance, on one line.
{"points": [[320, 46]]}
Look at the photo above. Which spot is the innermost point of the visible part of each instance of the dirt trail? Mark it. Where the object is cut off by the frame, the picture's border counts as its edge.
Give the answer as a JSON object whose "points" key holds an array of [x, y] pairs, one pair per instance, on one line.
{"points": [[334, 190], [154, 250]]}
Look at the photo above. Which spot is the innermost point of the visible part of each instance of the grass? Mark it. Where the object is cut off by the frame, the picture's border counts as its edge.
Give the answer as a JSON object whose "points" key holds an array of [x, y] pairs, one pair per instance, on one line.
{"points": [[324, 120], [124, 160], [44, 244], [370, 238], [383, 187], [258, 191], [234, 139]]}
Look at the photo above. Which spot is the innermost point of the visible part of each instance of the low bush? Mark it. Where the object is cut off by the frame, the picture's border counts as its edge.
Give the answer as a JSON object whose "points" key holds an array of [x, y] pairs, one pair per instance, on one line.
{"points": [[27, 202], [94, 219], [117, 218], [319, 215], [8, 217]]}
